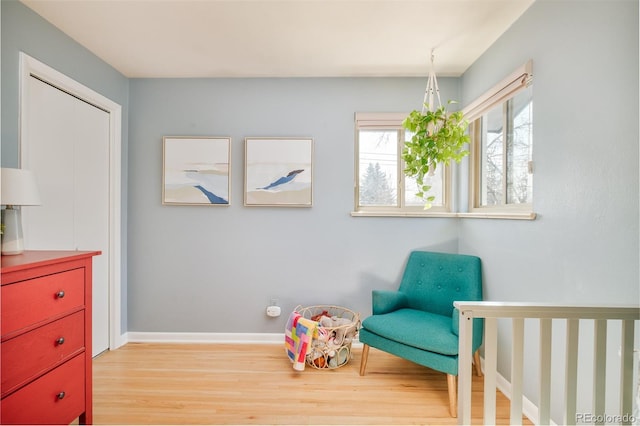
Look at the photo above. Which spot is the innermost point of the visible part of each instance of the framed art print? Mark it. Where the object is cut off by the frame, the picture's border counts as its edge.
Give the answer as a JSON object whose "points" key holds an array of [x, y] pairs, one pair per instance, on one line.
{"points": [[195, 171], [278, 172]]}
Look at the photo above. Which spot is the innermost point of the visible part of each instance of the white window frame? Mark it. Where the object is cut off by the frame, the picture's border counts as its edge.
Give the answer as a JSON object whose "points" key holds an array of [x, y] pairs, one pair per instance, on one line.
{"points": [[517, 81], [393, 121]]}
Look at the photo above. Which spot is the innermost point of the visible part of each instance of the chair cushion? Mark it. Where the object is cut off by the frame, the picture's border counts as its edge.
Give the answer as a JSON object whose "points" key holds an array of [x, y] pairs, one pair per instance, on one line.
{"points": [[422, 330]]}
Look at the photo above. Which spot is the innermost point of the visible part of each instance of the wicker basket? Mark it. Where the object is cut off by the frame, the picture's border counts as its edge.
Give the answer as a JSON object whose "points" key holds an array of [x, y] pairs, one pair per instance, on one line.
{"points": [[337, 327]]}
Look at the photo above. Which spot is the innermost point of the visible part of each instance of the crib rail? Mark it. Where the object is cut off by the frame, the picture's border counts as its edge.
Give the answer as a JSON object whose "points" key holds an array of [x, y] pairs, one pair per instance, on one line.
{"points": [[545, 313]]}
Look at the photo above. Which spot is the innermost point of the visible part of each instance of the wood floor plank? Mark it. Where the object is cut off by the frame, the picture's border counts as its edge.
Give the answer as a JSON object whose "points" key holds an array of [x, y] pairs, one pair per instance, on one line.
{"points": [[151, 383]]}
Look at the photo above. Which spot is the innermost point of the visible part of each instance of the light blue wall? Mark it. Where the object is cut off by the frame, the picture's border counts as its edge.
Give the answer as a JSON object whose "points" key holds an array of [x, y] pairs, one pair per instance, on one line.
{"points": [[583, 247], [214, 269], [24, 30]]}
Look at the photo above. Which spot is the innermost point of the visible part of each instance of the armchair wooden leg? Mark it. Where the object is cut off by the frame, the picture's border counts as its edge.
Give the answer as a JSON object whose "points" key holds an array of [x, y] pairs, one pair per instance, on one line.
{"points": [[363, 359], [476, 362], [453, 398]]}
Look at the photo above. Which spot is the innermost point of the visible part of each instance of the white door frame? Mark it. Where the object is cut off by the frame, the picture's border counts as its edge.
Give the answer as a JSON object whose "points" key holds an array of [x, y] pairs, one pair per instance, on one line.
{"points": [[29, 67]]}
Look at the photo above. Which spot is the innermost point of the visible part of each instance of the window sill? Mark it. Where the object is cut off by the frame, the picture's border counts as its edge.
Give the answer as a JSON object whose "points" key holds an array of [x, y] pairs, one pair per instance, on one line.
{"points": [[493, 215], [402, 214], [499, 215]]}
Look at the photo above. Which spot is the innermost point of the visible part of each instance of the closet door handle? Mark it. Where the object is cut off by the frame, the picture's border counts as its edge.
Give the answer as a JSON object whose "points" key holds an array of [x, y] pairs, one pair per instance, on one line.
{"points": [[60, 294]]}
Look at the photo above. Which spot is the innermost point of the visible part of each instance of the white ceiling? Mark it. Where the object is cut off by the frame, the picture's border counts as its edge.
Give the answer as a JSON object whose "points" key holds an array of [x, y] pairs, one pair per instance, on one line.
{"points": [[283, 38]]}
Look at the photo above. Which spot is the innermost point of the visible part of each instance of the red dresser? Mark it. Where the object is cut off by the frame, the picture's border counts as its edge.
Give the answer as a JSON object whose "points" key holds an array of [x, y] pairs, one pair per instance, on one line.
{"points": [[45, 349]]}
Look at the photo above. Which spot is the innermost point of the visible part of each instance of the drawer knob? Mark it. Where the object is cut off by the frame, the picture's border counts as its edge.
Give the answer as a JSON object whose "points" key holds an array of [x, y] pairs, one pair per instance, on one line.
{"points": [[60, 340], [61, 395], [60, 294]]}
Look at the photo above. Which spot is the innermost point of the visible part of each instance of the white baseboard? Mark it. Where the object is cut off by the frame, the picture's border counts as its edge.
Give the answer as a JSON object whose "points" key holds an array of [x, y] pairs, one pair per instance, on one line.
{"points": [[163, 337], [249, 338], [529, 409]]}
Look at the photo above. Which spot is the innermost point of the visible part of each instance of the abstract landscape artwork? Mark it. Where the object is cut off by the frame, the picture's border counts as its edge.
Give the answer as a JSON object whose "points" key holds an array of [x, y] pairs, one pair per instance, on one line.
{"points": [[278, 172], [196, 171]]}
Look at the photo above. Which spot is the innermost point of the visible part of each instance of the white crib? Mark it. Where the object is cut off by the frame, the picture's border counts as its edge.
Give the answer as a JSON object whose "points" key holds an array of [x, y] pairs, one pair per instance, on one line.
{"points": [[517, 313]]}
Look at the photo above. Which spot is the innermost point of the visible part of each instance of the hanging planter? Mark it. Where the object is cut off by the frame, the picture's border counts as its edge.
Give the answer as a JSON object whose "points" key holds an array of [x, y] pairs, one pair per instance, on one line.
{"points": [[438, 138]]}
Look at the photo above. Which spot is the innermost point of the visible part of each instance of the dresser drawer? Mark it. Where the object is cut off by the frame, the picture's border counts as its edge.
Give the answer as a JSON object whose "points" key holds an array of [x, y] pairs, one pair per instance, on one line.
{"points": [[55, 398], [30, 354], [37, 299]]}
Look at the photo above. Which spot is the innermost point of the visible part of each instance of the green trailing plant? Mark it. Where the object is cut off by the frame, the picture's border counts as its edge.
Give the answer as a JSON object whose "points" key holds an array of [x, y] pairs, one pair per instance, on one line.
{"points": [[438, 138]]}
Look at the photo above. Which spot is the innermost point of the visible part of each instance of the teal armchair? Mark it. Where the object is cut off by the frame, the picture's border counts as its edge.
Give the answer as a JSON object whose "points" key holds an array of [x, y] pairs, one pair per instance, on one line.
{"points": [[418, 322]]}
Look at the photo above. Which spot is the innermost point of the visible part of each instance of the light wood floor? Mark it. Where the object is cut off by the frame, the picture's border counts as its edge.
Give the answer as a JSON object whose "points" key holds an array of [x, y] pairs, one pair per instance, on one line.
{"points": [[143, 383]]}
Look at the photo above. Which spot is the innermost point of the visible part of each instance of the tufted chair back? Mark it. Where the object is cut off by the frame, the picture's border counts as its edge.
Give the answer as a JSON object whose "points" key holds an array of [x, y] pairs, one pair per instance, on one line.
{"points": [[433, 281]]}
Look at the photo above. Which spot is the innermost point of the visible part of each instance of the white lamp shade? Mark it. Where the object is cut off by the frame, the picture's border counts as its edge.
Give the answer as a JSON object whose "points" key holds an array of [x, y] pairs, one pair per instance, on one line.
{"points": [[19, 188]]}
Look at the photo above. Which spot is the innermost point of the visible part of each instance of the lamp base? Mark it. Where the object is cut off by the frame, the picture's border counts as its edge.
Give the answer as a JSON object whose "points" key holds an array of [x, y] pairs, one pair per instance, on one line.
{"points": [[12, 240]]}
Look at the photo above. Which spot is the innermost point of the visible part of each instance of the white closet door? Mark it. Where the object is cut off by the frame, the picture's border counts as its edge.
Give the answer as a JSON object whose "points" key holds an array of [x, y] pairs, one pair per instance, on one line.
{"points": [[50, 155], [67, 147]]}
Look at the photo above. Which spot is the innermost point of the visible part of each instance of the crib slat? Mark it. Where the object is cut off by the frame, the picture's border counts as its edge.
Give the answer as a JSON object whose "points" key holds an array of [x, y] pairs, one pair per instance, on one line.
{"points": [[571, 375], [544, 397], [626, 370], [517, 357], [465, 346], [490, 367], [599, 368]]}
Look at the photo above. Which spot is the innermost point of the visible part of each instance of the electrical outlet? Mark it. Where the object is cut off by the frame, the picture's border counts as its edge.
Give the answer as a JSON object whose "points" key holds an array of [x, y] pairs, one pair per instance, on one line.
{"points": [[273, 311]]}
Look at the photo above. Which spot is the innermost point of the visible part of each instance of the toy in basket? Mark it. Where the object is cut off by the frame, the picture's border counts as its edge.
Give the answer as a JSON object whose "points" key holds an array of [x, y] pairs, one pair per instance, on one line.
{"points": [[337, 327]]}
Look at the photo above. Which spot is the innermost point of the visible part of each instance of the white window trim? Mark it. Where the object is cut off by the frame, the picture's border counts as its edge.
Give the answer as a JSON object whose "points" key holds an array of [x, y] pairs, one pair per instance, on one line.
{"points": [[508, 87], [391, 120]]}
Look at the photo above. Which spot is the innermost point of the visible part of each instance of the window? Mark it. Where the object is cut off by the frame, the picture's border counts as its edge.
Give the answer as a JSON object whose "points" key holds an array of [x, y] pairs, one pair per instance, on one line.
{"points": [[381, 187], [501, 133]]}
